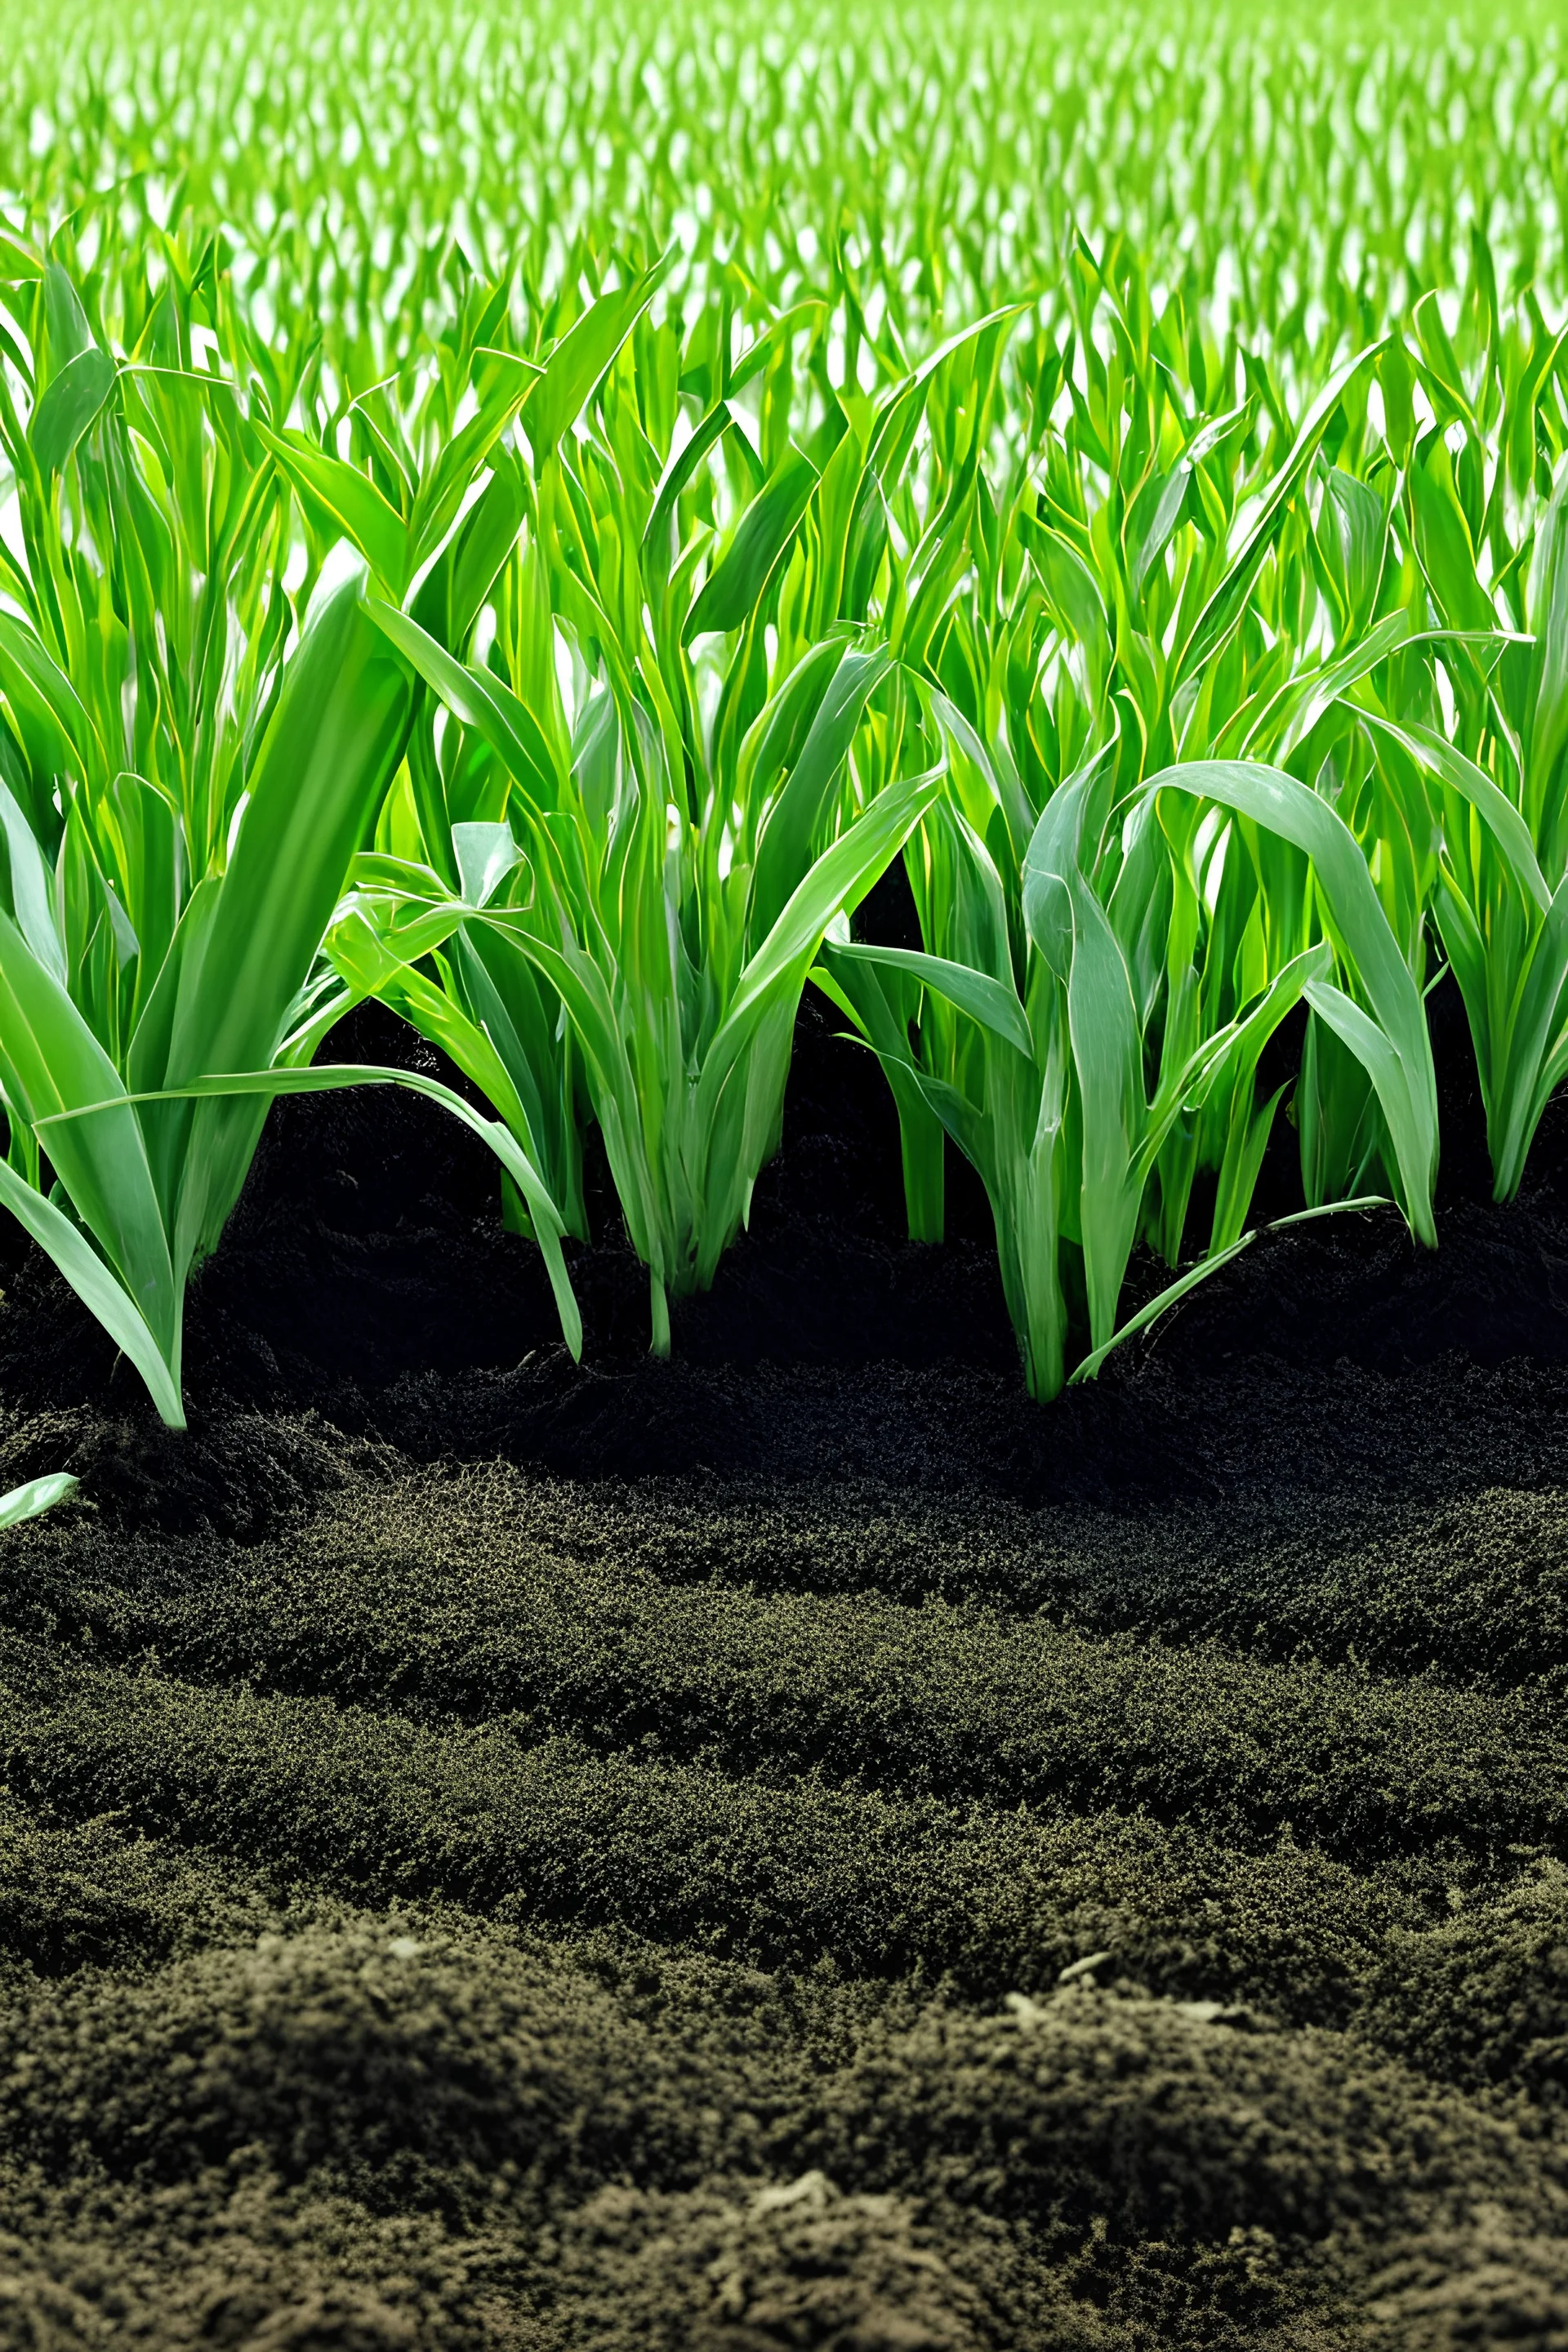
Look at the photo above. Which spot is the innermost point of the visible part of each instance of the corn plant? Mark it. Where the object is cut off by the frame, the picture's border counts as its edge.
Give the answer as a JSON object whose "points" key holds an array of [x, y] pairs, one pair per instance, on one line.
{"points": [[1466, 724], [180, 800], [1112, 504], [1209, 894], [677, 854]]}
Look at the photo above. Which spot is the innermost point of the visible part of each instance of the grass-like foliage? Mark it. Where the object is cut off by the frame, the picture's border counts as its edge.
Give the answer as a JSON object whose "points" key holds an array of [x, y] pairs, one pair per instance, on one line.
{"points": [[529, 524]]}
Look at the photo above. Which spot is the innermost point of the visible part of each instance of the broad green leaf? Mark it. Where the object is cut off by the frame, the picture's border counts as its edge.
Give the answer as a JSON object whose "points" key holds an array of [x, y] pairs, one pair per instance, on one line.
{"points": [[480, 700], [1491, 802], [485, 854], [35, 684], [975, 992], [38, 1494], [784, 848], [1285, 807], [836, 881], [18, 259], [1223, 608], [329, 756], [1443, 539], [347, 503], [734, 588], [580, 360], [73, 401]]}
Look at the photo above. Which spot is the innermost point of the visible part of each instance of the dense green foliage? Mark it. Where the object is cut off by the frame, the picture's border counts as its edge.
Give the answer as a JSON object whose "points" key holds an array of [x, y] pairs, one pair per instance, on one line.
{"points": [[530, 520]]}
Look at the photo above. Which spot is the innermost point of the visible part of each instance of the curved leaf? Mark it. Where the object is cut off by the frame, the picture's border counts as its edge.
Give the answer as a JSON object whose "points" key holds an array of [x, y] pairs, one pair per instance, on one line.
{"points": [[1284, 807]]}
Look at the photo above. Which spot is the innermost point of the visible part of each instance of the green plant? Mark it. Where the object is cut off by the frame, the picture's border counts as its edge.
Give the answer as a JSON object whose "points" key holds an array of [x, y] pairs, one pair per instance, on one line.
{"points": [[1470, 733], [688, 574], [683, 836], [1213, 896], [187, 766], [38, 1495]]}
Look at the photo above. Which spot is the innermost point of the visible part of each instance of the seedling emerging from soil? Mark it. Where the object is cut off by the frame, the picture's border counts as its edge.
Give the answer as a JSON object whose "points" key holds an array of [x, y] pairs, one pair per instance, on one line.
{"points": [[666, 855], [181, 799]]}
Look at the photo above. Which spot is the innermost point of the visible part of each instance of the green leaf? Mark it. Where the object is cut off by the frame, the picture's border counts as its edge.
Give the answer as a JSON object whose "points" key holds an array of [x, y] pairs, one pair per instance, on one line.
{"points": [[836, 881], [1223, 608], [1443, 541], [1160, 1304], [502, 383], [1431, 750], [485, 854], [675, 478], [31, 887], [1184, 1284], [54, 1064], [324, 767], [327, 758], [734, 588], [38, 1494], [1285, 807], [583, 357], [73, 399], [36, 683], [481, 701], [985, 1000], [1547, 691], [783, 850], [17, 260], [345, 503]]}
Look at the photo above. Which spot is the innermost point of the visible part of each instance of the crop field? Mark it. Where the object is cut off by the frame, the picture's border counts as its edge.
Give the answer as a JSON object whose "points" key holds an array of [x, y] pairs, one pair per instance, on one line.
{"points": [[783, 1323]]}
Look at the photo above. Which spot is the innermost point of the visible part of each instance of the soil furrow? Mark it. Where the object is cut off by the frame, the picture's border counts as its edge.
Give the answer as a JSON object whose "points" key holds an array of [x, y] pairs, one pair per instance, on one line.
{"points": [[490, 1853]]}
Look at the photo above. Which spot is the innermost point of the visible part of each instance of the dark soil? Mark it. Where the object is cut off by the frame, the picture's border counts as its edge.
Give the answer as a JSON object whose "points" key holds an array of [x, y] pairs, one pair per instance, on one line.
{"points": [[797, 1846]]}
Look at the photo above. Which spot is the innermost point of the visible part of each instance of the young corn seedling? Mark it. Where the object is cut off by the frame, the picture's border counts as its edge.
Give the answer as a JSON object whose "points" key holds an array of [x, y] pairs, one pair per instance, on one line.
{"points": [[632, 581], [678, 848], [1138, 608], [443, 845], [1053, 943], [158, 930]]}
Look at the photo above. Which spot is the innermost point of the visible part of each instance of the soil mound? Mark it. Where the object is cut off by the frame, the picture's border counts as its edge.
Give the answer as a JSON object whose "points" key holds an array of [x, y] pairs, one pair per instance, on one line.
{"points": [[797, 1847]]}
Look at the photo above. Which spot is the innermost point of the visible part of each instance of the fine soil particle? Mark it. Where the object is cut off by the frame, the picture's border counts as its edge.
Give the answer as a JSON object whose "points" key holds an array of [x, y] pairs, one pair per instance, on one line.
{"points": [[797, 1846]]}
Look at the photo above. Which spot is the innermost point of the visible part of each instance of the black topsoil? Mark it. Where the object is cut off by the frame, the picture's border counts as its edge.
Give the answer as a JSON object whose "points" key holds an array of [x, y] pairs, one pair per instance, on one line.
{"points": [[795, 1846]]}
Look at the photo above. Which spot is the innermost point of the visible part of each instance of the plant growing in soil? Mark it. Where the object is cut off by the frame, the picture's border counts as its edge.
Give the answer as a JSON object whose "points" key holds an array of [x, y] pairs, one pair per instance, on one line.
{"points": [[804, 1846], [1125, 912], [703, 585], [181, 794], [683, 836]]}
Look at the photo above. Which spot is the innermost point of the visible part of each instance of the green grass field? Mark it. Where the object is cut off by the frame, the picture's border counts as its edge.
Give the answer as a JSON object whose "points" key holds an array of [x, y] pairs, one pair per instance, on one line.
{"points": [[529, 521]]}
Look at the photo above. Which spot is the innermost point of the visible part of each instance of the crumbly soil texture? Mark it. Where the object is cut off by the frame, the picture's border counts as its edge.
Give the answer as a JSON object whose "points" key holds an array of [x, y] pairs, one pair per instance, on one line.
{"points": [[795, 1848]]}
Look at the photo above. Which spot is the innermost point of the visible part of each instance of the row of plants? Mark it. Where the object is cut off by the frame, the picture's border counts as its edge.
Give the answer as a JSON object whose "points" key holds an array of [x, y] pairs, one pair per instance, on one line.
{"points": [[1304, 175], [568, 690]]}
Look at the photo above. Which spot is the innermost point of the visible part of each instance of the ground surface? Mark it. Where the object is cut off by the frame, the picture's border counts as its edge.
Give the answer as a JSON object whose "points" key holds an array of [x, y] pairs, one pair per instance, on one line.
{"points": [[797, 1846]]}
